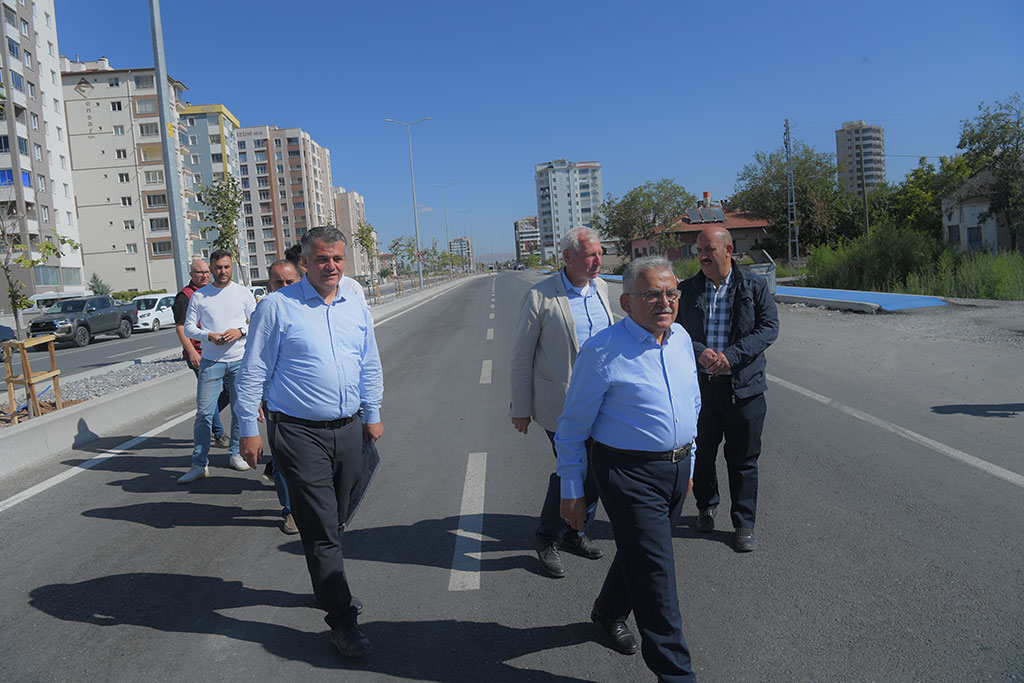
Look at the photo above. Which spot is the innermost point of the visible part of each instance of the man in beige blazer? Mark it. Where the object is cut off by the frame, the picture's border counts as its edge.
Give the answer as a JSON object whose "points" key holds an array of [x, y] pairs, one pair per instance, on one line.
{"points": [[557, 316]]}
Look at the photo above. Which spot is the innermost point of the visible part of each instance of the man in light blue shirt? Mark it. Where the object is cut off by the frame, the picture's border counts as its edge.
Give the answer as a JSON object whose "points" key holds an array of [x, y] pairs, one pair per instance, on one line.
{"points": [[634, 392], [312, 345], [557, 316]]}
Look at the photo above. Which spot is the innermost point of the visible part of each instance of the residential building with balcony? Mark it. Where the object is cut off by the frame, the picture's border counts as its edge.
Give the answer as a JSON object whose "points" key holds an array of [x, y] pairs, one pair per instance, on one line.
{"points": [[463, 246], [349, 211], [117, 162], [568, 196], [527, 236], [860, 151], [37, 186]]}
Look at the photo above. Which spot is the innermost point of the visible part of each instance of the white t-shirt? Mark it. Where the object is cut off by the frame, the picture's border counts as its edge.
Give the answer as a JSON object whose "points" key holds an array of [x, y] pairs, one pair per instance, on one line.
{"points": [[353, 286], [219, 309]]}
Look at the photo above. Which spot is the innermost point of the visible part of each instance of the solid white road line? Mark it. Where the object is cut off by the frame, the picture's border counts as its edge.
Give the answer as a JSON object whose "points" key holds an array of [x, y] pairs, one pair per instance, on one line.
{"points": [[465, 574], [92, 462], [490, 333], [949, 451], [485, 372]]}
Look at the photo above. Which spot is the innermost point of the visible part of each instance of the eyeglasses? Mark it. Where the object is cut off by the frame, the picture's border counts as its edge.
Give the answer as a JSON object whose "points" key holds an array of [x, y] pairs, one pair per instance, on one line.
{"points": [[653, 296]]}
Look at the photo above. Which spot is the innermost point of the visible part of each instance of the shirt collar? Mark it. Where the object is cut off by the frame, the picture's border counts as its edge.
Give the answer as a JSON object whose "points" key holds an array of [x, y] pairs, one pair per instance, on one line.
{"points": [[309, 292], [725, 282], [569, 287], [640, 334]]}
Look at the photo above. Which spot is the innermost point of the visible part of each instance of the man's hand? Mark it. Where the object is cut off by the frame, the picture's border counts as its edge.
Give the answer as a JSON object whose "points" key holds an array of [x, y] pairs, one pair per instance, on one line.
{"points": [[214, 337], [231, 335], [574, 512], [707, 357], [193, 356], [689, 490], [251, 448], [373, 431], [521, 424], [720, 365]]}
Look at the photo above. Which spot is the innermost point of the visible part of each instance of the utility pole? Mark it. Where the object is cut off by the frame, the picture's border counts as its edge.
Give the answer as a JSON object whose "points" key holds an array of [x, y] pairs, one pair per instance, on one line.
{"points": [[412, 176], [792, 229], [179, 237]]}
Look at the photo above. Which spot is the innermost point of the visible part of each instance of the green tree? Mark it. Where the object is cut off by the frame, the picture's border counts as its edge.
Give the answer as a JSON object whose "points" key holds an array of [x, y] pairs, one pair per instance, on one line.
{"points": [[98, 286], [365, 238], [223, 199], [994, 140], [640, 211], [15, 256]]}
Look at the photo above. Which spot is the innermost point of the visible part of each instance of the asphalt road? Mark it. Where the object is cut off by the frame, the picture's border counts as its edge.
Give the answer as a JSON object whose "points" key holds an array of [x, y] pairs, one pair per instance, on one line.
{"points": [[889, 527]]}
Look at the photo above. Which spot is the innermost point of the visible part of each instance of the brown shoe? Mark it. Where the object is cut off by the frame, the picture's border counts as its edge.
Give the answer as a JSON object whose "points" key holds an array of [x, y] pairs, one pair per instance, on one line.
{"points": [[288, 525]]}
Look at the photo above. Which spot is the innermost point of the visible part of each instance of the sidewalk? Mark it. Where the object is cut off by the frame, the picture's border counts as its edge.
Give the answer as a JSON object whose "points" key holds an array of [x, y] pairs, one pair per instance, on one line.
{"points": [[35, 440]]}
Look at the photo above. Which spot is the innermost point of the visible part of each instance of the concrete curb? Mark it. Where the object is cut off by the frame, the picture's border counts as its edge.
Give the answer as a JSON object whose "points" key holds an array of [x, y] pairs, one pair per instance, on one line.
{"points": [[835, 304], [26, 444]]}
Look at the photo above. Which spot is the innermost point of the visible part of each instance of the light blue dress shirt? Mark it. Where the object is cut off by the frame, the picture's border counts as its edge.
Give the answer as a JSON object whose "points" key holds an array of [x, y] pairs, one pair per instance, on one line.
{"points": [[588, 312], [628, 392], [319, 361]]}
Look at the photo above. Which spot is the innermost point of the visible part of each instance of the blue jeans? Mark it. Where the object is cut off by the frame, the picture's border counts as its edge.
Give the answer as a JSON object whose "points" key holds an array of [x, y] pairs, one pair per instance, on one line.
{"points": [[222, 402], [214, 377]]}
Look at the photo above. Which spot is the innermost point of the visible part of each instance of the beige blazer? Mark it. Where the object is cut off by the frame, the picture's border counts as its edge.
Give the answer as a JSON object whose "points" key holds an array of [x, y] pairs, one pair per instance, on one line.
{"points": [[545, 350]]}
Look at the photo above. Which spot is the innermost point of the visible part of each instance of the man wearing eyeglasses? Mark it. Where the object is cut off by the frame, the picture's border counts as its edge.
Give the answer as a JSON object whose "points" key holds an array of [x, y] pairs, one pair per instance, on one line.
{"points": [[557, 316], [634, 393], [732, 318]]}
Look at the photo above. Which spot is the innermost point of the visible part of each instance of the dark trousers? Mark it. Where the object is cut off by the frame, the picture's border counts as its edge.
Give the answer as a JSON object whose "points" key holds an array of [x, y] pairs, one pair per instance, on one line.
{"points": [[552, 526], [740, 422], [321, 467], [643, 500]]}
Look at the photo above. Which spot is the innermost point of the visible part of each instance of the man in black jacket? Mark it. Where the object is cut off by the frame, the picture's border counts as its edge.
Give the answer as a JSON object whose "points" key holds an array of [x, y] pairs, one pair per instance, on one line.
{"points": [[731, 317]]}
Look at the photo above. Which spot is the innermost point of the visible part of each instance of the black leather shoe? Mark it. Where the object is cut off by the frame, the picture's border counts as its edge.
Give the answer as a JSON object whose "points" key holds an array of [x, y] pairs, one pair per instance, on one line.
{"points": [[581, 545], [617, 631], [550, 560], [706, 520], [745, 540], [350, 641], [358, 604]]}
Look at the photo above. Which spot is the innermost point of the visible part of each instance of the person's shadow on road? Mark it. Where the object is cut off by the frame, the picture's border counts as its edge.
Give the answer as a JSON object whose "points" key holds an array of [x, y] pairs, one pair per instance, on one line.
{"points": [[470, 651]]}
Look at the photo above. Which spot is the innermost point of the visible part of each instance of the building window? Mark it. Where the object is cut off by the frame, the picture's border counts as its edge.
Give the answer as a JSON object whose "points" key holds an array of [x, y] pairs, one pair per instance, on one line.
{"points": [[254, 272], [126, 201], [131, 248], [67, 190], [123, 177], [44, 213], [974, 237], [241, 144], [215, 139], [6, 177], [145, 106], [217, 158], [159, 224], [31, 89], [152, 153], [154, 177], [118, 130], [259, 144], [115, 105], [63, 161], [37, 151], [121, 153], [149, 130], [41, 182], [156, 201], [14, 48], [129, 225], [17, 81], [144, 82], [60, 133], [161, 248], [113, 82]]}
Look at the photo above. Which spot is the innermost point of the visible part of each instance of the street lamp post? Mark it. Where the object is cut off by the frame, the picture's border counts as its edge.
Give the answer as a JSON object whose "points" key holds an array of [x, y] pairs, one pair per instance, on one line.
{"points": [[412, 176], [444, 193]]}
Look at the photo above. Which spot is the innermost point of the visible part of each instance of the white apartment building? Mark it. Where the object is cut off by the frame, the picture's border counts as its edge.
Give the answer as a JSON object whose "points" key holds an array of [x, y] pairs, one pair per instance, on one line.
{"points": [[568, 195], [527, 236], [37, 187], [463, 246], [349, 211], [116, 146], [212, 153], [288, 177], [860, 149]]}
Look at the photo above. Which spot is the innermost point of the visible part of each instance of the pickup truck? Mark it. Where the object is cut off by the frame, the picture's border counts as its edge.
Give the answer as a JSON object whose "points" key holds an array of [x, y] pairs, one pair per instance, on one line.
{"points": [[79, 320]]}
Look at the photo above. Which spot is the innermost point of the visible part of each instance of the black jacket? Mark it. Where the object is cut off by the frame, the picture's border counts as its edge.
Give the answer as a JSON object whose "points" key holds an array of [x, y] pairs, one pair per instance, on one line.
{"points": [[754, 325]]}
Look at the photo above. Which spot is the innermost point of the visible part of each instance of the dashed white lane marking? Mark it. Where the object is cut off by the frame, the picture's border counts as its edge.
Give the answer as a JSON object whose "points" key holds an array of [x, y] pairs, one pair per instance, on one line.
{"points": [[492, 305], [949, 451], [490, 333], [490, 317], [465, 574], [485, 372], [93, 462]]}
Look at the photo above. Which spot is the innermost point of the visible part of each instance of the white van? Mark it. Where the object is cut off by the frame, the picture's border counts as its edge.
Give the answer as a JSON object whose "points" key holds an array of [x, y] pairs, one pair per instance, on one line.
{"points": [[258, 291], [154, 311], [41, 302]]}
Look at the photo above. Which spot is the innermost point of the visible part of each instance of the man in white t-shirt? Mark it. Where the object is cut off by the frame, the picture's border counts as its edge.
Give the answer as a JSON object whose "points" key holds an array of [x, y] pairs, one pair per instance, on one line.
{"points": [[218, 317]]}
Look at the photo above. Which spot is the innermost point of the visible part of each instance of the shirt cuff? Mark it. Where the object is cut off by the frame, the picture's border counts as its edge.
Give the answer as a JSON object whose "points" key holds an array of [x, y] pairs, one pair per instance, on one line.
{"points": [[572, 487], [370, 416], [248, 428]]}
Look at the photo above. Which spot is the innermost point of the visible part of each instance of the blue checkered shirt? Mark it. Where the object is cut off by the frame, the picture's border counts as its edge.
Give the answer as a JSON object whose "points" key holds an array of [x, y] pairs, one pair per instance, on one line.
{"points": [[717, 303]]}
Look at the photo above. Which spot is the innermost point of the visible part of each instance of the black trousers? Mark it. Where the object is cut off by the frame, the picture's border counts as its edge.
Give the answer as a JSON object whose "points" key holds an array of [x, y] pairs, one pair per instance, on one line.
{"points": [[552, 527], [740, 423], [321, 467], [643, 500]]}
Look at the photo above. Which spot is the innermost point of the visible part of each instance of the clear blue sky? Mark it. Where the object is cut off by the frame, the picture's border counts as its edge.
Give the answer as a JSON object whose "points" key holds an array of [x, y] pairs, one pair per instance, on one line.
{"points": [[675, 89]]}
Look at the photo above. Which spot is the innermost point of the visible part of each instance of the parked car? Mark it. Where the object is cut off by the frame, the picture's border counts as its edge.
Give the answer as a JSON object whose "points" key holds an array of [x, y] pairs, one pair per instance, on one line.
{"points": [[258, 291], [154, 311], [79, 320], [38, 303]]}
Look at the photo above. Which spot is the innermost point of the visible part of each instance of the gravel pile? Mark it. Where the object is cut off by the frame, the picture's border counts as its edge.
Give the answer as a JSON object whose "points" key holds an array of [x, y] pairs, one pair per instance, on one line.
{"points": [[122, 378]]}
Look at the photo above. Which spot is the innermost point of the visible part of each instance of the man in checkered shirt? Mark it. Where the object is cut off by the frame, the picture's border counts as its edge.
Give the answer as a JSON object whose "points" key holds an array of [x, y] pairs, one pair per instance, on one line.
{"points": [[731, 317]]}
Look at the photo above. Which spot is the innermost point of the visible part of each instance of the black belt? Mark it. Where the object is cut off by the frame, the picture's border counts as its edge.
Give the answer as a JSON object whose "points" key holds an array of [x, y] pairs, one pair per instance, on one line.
{"points": [[677, 455], [715, 379], [275, 416]]}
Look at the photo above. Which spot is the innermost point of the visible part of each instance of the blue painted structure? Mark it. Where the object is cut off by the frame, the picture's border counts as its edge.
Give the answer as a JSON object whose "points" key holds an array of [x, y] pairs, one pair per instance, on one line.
{"points": [[886, 301]]}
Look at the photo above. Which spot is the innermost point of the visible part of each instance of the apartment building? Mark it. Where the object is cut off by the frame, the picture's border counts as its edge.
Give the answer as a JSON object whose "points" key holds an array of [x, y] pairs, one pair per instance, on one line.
{"points": [[117, 163], [349, 211], [860, 151], [463, 246], [212, 153], [37, 187], [288, 178], [527, 236], [568, 196]]}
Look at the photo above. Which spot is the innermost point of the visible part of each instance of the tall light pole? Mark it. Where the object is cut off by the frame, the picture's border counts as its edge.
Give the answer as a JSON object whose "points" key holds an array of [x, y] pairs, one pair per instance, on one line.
{"points": [[412, 175], [444, 193]]}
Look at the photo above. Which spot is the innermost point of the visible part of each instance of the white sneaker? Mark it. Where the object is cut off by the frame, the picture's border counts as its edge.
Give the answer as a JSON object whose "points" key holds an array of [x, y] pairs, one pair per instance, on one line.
{"points": [[194, 472], [238, 463]]}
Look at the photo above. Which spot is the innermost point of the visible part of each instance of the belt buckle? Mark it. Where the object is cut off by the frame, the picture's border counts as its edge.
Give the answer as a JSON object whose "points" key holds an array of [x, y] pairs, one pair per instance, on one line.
{"points": [[679, 453]]}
